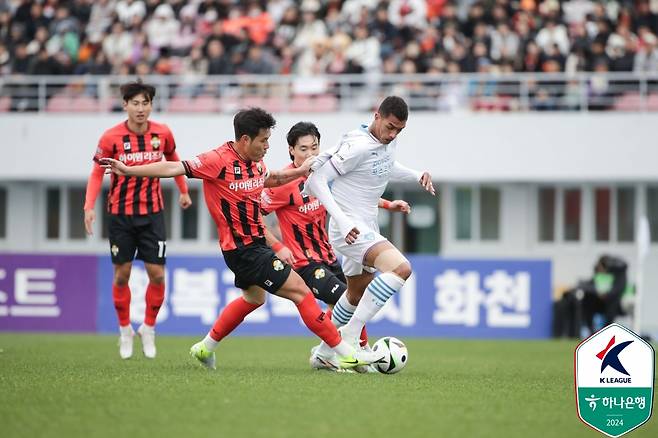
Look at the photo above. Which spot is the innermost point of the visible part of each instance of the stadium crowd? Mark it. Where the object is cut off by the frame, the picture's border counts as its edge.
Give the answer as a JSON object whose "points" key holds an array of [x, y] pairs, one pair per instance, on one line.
{"points": [[310, 37]]}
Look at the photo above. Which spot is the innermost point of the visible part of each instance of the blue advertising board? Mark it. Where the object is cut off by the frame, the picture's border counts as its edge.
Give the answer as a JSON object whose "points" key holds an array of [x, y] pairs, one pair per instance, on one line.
{"points": [[495, 298]]}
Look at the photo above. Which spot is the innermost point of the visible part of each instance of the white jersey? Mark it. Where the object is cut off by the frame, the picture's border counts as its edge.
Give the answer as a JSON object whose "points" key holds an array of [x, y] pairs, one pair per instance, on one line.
{"points": [[364, 166]]}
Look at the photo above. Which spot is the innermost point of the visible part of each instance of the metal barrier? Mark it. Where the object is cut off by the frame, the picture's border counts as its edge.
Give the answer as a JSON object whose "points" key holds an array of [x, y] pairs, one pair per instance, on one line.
{"points": [[225, 94]]}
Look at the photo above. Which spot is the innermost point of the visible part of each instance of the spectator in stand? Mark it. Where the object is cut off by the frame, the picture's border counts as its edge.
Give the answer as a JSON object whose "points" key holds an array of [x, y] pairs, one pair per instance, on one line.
{"points": [[128, 10], [100, 19], [646, 58], [218, 62], [363, 53], [118, 46], [310, 28], [162, 29]]}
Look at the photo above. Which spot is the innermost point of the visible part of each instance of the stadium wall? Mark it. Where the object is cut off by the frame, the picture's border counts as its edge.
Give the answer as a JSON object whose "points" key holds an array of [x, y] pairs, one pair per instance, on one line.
{"points": [[465, 147]]}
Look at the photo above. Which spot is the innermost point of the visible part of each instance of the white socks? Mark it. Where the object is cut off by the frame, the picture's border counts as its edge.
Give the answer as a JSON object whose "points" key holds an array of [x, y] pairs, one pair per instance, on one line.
{"points": [[210, 343], [375, 296], [342, 312], [340, 316]]}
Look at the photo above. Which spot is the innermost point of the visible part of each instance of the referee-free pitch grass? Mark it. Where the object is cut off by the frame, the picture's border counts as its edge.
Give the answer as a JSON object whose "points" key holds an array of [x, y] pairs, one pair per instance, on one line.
{"points": [[77, 386]]}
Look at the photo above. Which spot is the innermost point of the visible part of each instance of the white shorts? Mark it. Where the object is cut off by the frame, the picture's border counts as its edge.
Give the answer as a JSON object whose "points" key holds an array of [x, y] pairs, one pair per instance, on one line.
{"points": [[354, 254]]}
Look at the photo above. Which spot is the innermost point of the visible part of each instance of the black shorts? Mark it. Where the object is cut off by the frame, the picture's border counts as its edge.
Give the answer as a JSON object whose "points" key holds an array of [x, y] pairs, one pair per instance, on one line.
{"points": [[257, 265], [327, 282], [142, 237]]}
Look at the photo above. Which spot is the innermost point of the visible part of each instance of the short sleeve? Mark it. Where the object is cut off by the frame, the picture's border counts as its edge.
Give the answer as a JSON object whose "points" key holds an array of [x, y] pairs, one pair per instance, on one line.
{"points": [[104, 149], [170, 143], [347, 157], [205, 166], [274, 198]]}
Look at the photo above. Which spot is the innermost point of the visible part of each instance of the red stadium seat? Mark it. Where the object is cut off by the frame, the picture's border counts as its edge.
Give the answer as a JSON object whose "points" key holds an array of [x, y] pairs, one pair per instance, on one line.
{"points": [[206, 104], [5, 104], [628, 102], [180, 104]]}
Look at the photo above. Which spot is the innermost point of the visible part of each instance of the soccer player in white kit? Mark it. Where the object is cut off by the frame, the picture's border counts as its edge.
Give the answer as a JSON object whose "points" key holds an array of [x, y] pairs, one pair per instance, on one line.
{"points": [[358, 170]]}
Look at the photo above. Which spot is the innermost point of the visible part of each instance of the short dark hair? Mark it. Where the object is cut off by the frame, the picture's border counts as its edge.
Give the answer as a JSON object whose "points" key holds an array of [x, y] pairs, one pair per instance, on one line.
{"points": [[250, 121], [301, 129], [394, 105], [132, 89]]}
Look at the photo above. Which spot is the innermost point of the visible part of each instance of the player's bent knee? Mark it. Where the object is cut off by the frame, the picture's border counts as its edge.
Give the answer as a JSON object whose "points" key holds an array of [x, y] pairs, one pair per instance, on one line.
{"points": [[157, 279], [403, 270], [120, 281], [392, 260]]}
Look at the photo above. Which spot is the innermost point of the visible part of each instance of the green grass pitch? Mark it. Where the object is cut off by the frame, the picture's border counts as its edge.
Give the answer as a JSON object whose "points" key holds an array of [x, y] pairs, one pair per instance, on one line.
{"points": [[77, 386]]}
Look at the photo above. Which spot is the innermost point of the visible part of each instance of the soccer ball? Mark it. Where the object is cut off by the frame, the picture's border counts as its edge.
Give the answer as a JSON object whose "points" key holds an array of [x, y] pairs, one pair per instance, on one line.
{"points": [[396, 355]]}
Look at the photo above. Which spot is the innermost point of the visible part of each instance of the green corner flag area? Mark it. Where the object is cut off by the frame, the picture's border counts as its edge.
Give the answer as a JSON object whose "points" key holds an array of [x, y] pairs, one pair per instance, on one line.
{"points": [[76, 385]]}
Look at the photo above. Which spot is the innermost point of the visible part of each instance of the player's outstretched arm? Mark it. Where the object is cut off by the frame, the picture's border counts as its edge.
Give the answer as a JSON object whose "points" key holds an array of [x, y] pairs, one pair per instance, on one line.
{"points": [[162, 169], [284, 176], [397, 205], [184, 199], [404, 174]]}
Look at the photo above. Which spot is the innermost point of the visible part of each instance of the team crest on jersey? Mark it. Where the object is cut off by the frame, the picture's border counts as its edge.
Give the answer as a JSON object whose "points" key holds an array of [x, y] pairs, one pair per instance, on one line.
{"points": [[115, 250], [237, 170], [318, 273], [259, 167], [155, 141], [277, 265], [126, 145]]}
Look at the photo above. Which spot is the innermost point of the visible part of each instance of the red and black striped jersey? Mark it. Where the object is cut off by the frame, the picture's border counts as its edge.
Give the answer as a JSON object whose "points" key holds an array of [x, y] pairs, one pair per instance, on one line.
{"points": [[232, 188], [302, 220], [133, 195]]}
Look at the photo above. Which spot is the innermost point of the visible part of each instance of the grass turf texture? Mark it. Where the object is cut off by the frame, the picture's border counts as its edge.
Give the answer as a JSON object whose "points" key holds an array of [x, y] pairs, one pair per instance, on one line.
{"points": [[74, 385]]}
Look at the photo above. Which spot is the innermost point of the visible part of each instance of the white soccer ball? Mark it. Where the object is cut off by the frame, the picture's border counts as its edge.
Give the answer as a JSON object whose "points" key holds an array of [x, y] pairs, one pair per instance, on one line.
{"points": [[396, 355]]}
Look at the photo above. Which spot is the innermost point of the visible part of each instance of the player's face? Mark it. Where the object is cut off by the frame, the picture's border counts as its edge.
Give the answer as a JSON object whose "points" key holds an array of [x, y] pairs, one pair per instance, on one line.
{"points": [[306, 146], [387, 128], [257, 148], [138, 109]]}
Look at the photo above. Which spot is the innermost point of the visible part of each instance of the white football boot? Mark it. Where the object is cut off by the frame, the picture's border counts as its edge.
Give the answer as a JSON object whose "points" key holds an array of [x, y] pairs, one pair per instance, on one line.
{"points": [[323, 362], [126, 341], [147, 335]]}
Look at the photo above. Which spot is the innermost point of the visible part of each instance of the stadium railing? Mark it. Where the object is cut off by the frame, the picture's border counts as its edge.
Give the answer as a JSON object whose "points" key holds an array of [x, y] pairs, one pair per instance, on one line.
{"points": [[424, 92]]}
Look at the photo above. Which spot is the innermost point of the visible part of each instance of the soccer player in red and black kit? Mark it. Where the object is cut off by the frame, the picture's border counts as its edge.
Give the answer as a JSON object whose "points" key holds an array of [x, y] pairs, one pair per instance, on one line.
{"points": [[302, 221], [234, 176], [136, 225]]}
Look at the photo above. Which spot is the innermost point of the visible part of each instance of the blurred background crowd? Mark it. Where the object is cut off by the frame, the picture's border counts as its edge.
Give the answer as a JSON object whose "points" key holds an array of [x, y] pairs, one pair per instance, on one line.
{"points": [[313, 37]]}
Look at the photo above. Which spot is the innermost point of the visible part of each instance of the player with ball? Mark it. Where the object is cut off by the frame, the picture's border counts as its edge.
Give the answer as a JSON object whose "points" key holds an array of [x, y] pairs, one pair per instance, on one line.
{"points": [[349, 180]]}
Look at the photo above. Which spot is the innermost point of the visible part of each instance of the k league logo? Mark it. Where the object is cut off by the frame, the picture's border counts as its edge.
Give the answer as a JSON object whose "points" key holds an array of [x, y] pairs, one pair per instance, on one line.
{"points": [[614, 376]]}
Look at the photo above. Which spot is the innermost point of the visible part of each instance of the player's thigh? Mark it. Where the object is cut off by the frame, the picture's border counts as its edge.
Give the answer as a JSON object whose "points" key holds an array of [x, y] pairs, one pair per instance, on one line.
{"points": [[257, 265], [385, 257], [122, 236], [355, 254], [255, 295], [151, 239], [323, 282], [294, 288]]}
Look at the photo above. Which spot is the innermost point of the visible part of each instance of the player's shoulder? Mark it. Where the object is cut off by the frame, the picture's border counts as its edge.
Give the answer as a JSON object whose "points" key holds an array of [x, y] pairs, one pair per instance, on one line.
{"points": [[360, 137], [118, 129], [158, 128]]}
